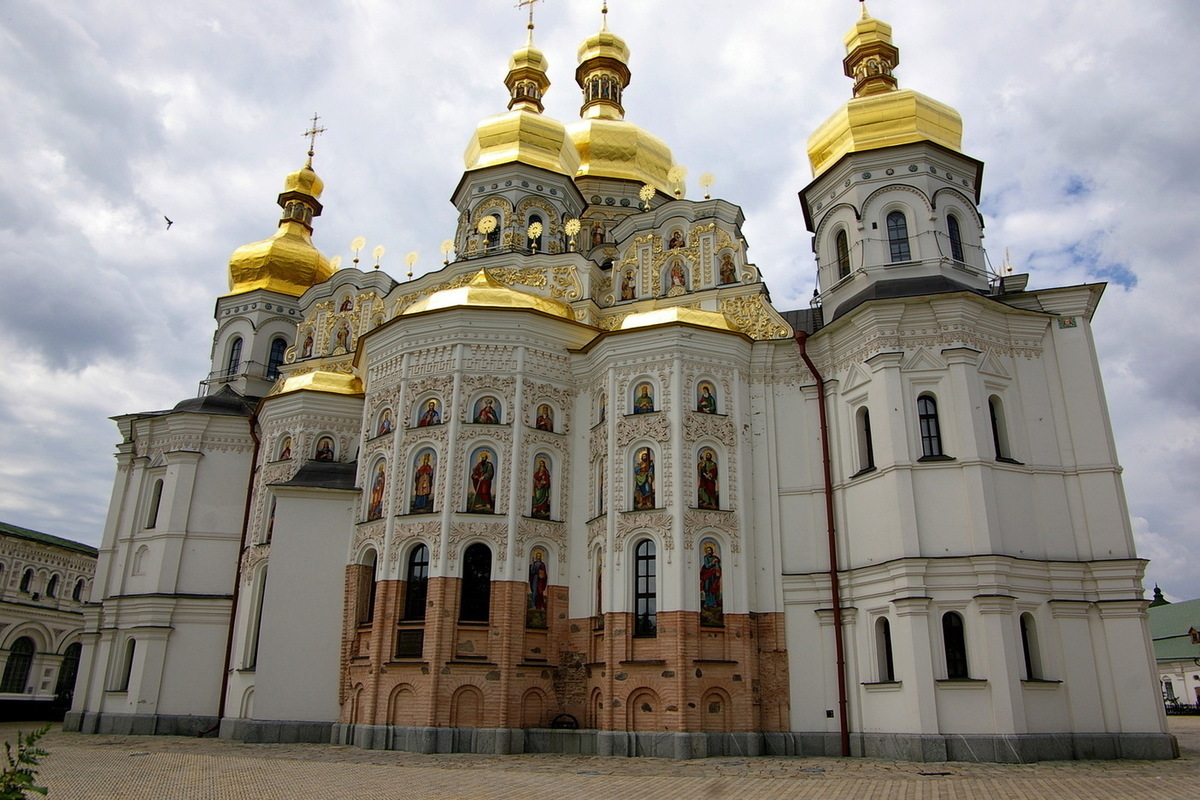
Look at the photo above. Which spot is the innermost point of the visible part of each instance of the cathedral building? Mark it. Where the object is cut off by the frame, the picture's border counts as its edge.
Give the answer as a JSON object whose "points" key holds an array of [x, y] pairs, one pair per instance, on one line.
{"points": [[584, 489]]}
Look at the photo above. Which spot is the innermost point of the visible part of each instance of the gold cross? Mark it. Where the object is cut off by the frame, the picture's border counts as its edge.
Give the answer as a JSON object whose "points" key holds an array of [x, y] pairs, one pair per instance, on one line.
{"points": [[530, 3], [312, 133]]}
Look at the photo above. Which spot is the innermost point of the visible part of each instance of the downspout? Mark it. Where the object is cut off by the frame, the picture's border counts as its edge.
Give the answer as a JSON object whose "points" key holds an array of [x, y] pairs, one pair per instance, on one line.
{"points": [[237, 579], [834, 587]]}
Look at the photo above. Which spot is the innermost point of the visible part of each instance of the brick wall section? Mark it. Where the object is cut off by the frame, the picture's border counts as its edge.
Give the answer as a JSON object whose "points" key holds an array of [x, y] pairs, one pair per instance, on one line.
{"points": [[686, 678]]}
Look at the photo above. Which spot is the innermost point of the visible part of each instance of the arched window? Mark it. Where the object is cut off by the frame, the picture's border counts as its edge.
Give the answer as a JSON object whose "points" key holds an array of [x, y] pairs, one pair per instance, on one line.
{"points": [[126, 672], [999, 432], [1030, 649], [235, 358], [416, 586], [842, 243], [26, 580], [155, 501], [256, 620], [52, 587], [65, 687], [537, 242], [645, 590], [493, 238], [897, 228], [866, 448], [931, 433], [16, 670], [954, 638], [278, 345], [366, 588], [476, 596], [885, 666], [956, 248], [77, 593]]}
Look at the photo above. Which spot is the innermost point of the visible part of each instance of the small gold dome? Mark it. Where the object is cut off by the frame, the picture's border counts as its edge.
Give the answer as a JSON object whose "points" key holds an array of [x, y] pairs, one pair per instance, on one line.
{"points": [[616, 148], [604, 44], [287, 263], [306, 181], [484, 291], [690, 316], [523, 137], [321, 381], [879, 115]]}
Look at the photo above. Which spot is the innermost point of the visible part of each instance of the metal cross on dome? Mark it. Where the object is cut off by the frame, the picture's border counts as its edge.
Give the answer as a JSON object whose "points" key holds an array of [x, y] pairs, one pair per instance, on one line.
{"points": [[530, 3], [312, 133]]}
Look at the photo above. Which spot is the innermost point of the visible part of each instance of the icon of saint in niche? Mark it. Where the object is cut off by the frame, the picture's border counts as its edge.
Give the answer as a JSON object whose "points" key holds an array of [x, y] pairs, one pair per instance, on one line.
{"points": [[480, 499], [285, 449], [711, 602], [707, 492], [306, 349], [347, 304], [486, 412], [540, 506], [539, 581], [627, 288], [430, 416], [422, 500], [706, 403], [676, 240], [678, 278], [545, 418], [728, 273], [644, 402], [385, 422], [643, 480], [343, 337], [324, 449], [375, 509]]}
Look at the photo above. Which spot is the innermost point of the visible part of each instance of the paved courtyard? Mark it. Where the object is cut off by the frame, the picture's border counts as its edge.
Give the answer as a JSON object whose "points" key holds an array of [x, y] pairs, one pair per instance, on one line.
{"points": [[158, 767]]}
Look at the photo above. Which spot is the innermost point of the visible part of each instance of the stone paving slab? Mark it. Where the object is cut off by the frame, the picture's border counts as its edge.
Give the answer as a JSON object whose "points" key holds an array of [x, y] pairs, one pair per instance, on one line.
{"points": [[99, 767]]}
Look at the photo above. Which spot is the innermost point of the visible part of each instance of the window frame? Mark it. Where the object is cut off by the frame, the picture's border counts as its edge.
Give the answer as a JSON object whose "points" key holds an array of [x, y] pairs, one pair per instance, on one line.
{"points": [[954, 645], [841, 248], [645, 589], [899, 246], [929, 427]]}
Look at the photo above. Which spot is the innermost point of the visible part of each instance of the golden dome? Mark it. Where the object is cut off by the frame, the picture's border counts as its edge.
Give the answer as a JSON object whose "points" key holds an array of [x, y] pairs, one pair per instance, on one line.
{"points": [[484, 291], [690, 316], [604, 44], [287, 262], [879, 115], [321, 381]]}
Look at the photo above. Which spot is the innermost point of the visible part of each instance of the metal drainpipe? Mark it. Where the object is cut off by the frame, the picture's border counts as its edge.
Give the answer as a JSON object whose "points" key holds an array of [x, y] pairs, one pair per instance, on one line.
{"points": [[237, 578], [834, 587]]}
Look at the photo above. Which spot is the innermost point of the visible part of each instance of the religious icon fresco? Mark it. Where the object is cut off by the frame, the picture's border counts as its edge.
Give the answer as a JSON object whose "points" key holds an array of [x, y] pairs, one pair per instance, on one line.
{"points": [[342, 338], [643, 480], [285, 449], [676, 240], [347, 304], [643, 399], [628, 286], [430, 414], [545, 418], [385, 422], [487, 411], [539, 507], [378, 485], [677, 277], [539, 582], [424, 472], [706, 398], [728, 271], [306, 349], [712, 603], [707, 491], [481, 498], [324, 450]]}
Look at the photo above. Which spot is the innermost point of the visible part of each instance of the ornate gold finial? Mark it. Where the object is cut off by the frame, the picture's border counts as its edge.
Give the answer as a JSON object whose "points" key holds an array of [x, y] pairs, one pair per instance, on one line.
{"points": [[571, 228], [645, 193], [410, 259], [706, 180], [356, 244], [676, 175], [530, 3], [604, 15], [378, 253], [447, 249], [863, 3], [311, 134]]}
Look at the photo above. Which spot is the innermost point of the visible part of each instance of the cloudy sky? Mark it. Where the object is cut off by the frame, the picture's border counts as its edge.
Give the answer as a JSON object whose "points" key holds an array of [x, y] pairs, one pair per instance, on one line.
{"points": [[118, 112]]}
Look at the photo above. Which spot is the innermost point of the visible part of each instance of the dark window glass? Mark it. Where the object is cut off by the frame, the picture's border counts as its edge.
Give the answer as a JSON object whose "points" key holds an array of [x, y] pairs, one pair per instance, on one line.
{"points": [[537, 243], [416, 586], [897, 227], [887, 666], [52, 587], [866, 448], [26, 579], [155, 502], [1033, 669], [77, 594], [65, 687], [277, 348], [645, 597], [956, 248], [235, 358], [931, 435], [16, 670], [476, 594], [493, 238], [842, 243], [955, 640]]}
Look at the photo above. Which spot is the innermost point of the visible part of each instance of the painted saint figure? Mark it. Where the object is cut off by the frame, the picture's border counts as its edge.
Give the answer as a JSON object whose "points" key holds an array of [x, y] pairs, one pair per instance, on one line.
{"points": [[347, 305], [325, 449], [430, 416], [307, 348], [627, 288], [676, 240], [644, 402], [540, 507], [728, 272], [375, 509], [385, 422], [643, 480], [711, 601], [285, 450], [422, 502], [343, 337], [480, 500], [707, 402], [486, 413], [545, 418], [677, 276], [539, 581], [707, 492]]}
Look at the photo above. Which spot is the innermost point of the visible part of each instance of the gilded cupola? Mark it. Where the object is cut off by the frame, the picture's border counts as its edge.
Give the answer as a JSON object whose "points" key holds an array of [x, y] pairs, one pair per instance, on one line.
{"points": [[879, 114], [484, 291], [523, 134], [610, 146], [287, 262]]}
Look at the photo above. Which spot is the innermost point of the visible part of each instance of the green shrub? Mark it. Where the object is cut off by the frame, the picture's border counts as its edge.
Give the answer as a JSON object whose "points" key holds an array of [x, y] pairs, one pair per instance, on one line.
{"points": [[20, 770]]}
